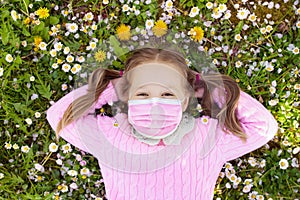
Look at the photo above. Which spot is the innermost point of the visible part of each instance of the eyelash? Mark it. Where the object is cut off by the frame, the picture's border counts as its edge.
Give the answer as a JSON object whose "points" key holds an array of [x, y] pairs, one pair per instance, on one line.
{"points": [[145, 94]]}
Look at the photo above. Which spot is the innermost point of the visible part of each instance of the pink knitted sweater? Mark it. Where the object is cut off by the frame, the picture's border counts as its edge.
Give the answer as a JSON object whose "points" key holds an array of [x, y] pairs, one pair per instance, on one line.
{"points": [[192, 171]]}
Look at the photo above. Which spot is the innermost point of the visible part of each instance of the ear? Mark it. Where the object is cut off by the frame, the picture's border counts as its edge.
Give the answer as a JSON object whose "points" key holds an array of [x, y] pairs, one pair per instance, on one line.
{"points": [[185, 103]]}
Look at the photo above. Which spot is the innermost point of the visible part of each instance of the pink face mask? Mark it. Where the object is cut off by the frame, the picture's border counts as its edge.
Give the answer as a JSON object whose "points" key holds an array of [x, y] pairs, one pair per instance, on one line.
{"points": [[155, 118]]}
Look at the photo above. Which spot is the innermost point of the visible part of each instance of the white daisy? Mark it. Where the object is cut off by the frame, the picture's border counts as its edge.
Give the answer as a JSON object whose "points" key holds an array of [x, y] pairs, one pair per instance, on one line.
{"points": [[58, 46], [238, 64], [28, 121], [243, 13], [54, 65], [66, 148], [66, 50], [247, 188], [25, 149], [78, 67], [72, 27], [283, 164], [7, 145], [252, 18], [296, 50], [9, 58], [53, 53], [209, 5], [53, 147], [74, 70], [92, 45], [66, 67], [88, 16], [227, 14], [37, 114], [272, 90], [80, 59], [125, 8], [269, 28], [43, 46], [72, 172], [64, 188], [194, 11], [222, 8], [70, 58], [149, 24], [85, 171], [64, 87], [237, 37], [273, 102], [16, 146]]}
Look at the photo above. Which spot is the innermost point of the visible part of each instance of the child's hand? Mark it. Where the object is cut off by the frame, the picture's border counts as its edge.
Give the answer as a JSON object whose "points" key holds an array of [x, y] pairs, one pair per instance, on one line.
{"points": [[199, 93], [219, 97]]}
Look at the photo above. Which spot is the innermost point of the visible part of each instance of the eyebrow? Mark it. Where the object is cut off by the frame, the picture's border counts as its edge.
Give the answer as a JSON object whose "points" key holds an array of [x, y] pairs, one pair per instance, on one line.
{"points": [[171, 89]]}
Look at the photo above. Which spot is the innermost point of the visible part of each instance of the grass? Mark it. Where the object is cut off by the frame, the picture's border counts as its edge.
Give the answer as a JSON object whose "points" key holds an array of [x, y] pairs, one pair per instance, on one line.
{"points": [[264, 62]]}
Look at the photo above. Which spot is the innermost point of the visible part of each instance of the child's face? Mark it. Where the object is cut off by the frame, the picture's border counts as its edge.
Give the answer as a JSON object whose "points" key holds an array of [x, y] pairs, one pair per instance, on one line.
{"points": [[157, 80]]}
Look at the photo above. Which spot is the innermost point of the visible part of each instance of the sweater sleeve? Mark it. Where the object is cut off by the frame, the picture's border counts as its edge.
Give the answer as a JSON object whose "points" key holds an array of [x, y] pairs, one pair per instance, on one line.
{"points": [[258, 124], [70, 133]]}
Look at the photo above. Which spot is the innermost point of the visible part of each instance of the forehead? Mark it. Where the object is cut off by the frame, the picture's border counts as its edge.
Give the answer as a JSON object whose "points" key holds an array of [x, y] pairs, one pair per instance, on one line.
{"points": [[168, 76]]}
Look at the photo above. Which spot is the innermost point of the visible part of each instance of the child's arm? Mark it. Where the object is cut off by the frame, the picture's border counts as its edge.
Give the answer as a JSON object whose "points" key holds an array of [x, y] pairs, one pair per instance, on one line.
{"points": [[70, 133], [256, 121]]}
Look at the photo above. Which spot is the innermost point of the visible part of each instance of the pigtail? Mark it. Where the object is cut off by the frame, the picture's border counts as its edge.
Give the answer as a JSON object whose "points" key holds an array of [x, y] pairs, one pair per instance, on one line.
{"points": [[97, 83], [220, 98]]}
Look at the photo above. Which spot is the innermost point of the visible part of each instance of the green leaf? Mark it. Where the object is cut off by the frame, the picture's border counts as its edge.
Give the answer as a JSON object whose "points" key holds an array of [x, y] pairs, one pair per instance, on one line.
{"points": [[39, 27], [45, 91], [116, 46], [239, 27], [45, 34], [54, 20], [25, 32], [18, 60], [19, 107], [4, 34], [4, 13]]}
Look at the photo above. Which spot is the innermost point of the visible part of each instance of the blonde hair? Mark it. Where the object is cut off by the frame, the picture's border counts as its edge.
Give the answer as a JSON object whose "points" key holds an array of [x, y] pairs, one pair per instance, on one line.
{"points": [[100, 79]]}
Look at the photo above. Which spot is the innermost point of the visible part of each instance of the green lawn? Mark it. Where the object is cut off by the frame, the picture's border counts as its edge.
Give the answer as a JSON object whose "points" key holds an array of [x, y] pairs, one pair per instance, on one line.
{"points": [[48, 47]]}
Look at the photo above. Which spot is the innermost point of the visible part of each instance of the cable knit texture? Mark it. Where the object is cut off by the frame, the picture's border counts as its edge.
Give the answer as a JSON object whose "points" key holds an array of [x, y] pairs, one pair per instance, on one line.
{"points": [[192, 176]]}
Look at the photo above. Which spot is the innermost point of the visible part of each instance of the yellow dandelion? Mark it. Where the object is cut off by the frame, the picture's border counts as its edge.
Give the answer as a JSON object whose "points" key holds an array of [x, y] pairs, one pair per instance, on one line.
{"points": [[27, 21], [100, 56], [197, 33], [37, 40], [123, 32], [160, 28], [43, 13]]}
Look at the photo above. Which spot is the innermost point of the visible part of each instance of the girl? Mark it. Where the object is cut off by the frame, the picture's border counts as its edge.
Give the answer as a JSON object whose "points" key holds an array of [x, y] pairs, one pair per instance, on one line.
{"points": [[160, 131]]}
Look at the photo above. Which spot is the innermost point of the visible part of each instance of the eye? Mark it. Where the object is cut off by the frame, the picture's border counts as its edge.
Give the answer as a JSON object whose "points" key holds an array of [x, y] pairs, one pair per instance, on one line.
{"points": [[168, 94], [142, 94]]}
